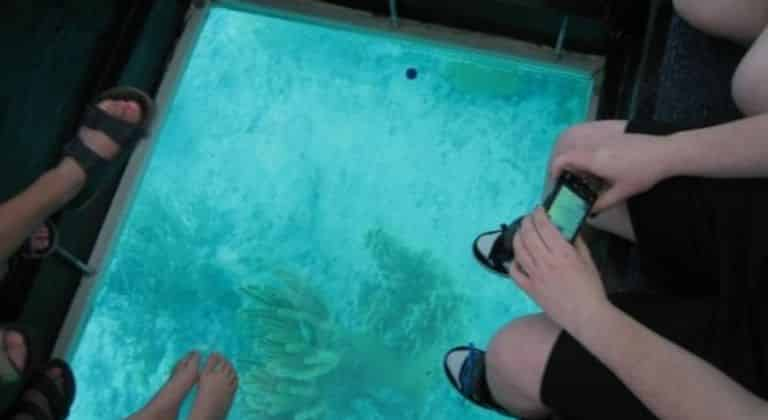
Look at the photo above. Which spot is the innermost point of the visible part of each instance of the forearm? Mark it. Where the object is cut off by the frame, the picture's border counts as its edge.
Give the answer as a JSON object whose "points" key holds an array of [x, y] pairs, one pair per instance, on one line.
{"points": [[673, 383], [734, 150]]}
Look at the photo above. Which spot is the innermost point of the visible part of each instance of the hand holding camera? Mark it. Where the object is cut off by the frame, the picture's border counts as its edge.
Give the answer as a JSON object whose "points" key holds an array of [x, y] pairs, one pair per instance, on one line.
{"points": [[537, 251], [629, 164], [560, 277], [567, 206]]}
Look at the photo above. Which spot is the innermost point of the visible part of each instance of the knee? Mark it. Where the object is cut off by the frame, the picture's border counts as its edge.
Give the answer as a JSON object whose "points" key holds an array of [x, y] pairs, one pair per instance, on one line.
{"points": [[703, 15], [516, 360], [748, 90], [738, 20]]}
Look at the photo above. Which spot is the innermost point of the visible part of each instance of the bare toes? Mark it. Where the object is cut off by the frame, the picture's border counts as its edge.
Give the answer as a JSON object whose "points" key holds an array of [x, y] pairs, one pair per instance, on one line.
{"points": [[213, 362], [228, 372], [193, 358], [131, 111], [110, 107]]}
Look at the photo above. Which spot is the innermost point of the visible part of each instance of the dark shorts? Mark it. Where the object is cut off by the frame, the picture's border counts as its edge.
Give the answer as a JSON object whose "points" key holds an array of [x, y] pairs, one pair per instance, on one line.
{"points": [[704, 238]]}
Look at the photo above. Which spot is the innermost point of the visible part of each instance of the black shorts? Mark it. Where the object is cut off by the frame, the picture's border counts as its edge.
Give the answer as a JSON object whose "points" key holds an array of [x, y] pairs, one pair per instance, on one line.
{"points": [[706, 239]]}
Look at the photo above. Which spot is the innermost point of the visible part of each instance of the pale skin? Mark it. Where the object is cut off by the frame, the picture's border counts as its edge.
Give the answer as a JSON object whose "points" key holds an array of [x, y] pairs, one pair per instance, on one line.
{"points": [[217, 383], [22, 215], [671, 382]]}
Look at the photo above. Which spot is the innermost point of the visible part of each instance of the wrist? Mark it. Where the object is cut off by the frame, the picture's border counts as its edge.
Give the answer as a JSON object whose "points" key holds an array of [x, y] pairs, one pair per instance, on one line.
{"points": [[672, 154], [590, 318]]}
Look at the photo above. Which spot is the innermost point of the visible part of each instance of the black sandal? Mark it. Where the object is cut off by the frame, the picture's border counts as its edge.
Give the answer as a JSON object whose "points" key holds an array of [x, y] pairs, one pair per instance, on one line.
{"points": [[28, 252], [470, 381], [494, 249], [59, 397], [123, 133]]}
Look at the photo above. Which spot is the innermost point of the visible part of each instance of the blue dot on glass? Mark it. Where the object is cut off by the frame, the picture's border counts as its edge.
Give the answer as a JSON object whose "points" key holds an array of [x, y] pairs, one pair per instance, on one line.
{"points": [[411, 73]]}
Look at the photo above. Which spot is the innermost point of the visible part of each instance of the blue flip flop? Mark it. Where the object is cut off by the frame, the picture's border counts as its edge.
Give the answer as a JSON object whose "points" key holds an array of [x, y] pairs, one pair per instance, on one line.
{"points": [[467, 375]]}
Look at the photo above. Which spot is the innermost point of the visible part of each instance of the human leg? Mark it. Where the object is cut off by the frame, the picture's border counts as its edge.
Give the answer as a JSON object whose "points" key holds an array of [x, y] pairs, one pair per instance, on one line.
{"points": [[49, 395], [22, 214], [578, 385], [534, 369], [750, 83], [167, 401], [39, 400], [218, 384], [615, 220], [738, 20], [507, 378], [515, 364], [746, 22]]}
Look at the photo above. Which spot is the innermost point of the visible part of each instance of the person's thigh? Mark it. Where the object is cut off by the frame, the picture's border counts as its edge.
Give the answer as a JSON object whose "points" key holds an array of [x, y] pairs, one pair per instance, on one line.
{"points": [[577, 385], [738, 20], [615, 220], [515, 364], [750, 83]]}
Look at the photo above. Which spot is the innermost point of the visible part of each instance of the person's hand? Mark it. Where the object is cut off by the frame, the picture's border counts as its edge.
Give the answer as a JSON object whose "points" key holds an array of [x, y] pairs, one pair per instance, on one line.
{"points": [[629, 163], [562, 279]]}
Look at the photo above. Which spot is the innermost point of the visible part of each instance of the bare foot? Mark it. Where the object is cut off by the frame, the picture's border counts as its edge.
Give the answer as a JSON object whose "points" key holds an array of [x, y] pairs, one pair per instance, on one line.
{"points": [[39, 399], [40, 239], [15, 348], [99, 142], [218, 384], [166, 403]]}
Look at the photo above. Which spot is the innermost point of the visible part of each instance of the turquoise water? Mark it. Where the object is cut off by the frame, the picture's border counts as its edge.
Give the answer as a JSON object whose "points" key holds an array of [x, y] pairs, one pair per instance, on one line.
{"points": [[308, 211]]}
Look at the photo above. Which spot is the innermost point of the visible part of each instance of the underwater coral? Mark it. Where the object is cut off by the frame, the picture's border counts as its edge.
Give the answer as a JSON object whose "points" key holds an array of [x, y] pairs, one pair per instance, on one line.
{"points": [[302, 364], [295, 345]]}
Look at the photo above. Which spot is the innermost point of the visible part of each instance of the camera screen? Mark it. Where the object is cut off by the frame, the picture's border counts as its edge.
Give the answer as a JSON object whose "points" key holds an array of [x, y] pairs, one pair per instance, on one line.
{"points": [[567, 212]]}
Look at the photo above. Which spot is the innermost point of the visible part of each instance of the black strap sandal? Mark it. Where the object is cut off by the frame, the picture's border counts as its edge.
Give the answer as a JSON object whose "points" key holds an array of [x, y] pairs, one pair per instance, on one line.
{"points": [[123, 133], [59, 397], [494, 249], [467, 375], [28, 252]]}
